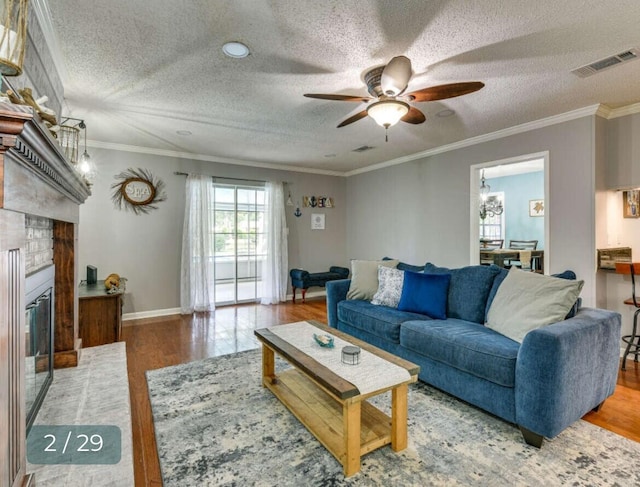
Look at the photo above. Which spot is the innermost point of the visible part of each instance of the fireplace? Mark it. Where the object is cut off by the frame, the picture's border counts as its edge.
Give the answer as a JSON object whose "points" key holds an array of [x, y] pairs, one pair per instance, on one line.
{"points": [[39, 323], [35, 179]]}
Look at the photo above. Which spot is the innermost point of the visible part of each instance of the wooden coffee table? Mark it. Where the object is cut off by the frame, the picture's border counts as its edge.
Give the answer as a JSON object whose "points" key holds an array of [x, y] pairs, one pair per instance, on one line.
{"points": [[332, 408]]}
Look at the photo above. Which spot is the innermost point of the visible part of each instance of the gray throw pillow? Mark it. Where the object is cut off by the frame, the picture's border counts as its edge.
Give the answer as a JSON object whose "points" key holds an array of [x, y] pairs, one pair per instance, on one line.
{"points": [[389, 287], [526, 301], [364, 278]]}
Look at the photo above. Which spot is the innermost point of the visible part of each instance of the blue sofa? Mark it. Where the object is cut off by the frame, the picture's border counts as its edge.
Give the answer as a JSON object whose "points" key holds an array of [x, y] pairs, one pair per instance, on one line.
{"points": [[558, 374]]}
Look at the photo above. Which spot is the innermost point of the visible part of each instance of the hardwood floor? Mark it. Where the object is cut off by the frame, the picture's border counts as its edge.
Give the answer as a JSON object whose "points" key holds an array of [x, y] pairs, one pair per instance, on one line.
{"points": [[153, 343]]}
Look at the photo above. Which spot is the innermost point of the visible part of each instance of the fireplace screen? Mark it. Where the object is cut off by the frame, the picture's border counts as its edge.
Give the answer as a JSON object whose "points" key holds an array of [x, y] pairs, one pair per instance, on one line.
{"points": [[38, 340]]}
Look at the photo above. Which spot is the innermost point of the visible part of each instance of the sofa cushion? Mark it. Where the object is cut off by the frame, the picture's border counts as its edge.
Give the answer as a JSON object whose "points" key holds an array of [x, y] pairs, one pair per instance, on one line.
{"points": [[426, 294], [364, 277], [526, 301], [468, 290], [381, 321], [389, 287], [470, 347], [403, 266]]}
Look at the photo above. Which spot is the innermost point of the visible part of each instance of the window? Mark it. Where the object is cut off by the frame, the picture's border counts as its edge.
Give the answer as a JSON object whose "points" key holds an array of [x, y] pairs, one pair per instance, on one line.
{"points": [[238, 244], [493, 226]]}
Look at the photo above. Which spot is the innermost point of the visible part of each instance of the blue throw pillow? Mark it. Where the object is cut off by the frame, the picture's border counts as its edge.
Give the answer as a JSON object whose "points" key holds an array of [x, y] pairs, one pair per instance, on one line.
{"points": [[572, 277], [402, 266], [425, 294], [502, 273], [469, 290]]}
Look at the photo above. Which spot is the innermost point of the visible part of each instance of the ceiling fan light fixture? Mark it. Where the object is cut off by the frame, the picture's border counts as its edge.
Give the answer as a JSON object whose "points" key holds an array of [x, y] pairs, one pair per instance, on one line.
{"points": [[387, 113], [235, 49]]}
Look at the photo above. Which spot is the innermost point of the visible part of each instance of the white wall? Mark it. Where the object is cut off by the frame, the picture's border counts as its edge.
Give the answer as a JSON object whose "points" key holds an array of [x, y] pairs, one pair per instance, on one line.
{"points": [[419, 211], [620, 168], [146, 248], [621, 232]]}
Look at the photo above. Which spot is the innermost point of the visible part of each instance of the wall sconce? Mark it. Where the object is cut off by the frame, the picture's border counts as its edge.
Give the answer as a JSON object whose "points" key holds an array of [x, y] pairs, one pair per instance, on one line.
{"points": [[13, 36], [85, 158], [68, 136], [489, 205]]}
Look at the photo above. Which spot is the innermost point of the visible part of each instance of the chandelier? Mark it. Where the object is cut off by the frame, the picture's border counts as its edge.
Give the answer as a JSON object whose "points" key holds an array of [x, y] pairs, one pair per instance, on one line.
{"points": [[489, 205]]}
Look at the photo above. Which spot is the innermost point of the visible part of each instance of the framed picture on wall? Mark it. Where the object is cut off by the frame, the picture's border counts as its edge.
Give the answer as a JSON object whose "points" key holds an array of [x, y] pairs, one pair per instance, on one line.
{"points": [[317, 221], [536, 207], [630, 201]]}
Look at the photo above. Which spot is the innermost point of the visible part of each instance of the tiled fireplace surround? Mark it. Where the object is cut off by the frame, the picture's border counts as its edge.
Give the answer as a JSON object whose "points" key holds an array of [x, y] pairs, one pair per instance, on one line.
{"points": [[40, 193]]}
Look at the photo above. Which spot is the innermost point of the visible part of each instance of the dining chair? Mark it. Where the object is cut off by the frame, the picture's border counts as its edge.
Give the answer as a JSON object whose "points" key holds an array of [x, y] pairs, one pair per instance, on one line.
{"points": [[523, 245], [489, 245], [633, 340], [492, 244]]}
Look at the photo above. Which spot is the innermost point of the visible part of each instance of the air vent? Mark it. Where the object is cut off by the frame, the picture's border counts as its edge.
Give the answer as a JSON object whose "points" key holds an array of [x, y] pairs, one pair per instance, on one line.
{"points": [[363, 148], [607, 63]]}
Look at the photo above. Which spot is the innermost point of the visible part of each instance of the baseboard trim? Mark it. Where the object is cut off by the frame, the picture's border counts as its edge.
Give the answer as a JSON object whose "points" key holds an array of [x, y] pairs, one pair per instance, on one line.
{"points": [[313, 294], [155, 313]]}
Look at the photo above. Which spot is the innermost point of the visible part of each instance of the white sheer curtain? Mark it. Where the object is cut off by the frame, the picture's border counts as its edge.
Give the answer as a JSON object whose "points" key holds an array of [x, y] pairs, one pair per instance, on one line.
{"points": [[197, 270], [275, 266]]}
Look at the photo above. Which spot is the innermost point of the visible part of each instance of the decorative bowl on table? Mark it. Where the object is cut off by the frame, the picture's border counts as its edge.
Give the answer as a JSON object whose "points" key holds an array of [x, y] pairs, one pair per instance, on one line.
{"points": [[323, 340]]}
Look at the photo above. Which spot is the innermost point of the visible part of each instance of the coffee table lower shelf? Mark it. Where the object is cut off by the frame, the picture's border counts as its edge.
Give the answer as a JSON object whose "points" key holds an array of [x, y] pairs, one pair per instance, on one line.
{"points": [[323, 416]]}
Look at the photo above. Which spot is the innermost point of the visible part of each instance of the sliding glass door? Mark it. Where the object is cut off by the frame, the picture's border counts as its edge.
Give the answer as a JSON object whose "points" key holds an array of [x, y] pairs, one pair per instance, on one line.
{"points": [[238, 248]]}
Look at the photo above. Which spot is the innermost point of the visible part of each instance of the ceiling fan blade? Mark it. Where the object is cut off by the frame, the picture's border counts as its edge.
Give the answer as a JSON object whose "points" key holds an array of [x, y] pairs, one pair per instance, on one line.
{"points": [[414, 116], [442, 92], [337, 97], [395, 76], [353, 118]]}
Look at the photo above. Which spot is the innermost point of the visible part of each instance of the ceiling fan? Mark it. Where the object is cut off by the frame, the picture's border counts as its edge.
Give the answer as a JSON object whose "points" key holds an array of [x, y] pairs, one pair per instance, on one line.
{"points": [[387, 84]]}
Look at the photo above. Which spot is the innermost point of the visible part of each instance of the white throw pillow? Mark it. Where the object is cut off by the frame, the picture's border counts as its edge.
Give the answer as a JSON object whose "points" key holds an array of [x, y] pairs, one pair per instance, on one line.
{"points": [[526, 301], [389, 287], [364, 277]]}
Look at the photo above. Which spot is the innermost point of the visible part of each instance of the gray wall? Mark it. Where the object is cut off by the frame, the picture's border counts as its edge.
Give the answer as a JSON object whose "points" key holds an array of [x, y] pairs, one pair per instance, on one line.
{"points": [[419, 211], [146, 249]]}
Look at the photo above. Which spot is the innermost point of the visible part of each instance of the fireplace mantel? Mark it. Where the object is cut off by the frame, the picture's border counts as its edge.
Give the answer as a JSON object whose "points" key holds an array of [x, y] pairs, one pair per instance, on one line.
{"points": [[31, 151], [35, 179]]}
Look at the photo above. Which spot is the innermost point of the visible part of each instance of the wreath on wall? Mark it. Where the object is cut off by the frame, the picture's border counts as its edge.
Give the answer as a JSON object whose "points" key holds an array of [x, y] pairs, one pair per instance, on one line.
{"points": [[137, 190]]}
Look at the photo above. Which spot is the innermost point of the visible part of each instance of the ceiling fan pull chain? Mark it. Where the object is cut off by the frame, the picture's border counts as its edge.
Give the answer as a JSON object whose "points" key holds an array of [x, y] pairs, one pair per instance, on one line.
{"points": [[386, 133]]}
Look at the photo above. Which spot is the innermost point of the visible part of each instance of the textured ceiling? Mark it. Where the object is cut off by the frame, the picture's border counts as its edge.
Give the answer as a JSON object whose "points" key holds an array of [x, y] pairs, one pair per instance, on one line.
{"points": [[138, 71]]}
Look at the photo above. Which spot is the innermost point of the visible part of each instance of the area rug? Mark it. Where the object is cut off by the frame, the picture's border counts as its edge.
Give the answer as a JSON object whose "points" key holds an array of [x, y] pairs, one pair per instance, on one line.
{"points": [[216, 425]]}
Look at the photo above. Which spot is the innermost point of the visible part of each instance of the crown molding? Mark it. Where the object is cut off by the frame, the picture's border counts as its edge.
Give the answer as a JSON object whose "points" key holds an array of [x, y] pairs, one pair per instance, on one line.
{"points": [[591, 110], [202, 157], [516, 129], [623, 111]]}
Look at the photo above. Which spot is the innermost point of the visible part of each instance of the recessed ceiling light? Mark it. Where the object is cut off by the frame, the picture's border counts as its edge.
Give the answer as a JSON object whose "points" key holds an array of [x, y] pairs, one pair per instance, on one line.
{"points": [[447, 112], [183, 132], [235, 50]]}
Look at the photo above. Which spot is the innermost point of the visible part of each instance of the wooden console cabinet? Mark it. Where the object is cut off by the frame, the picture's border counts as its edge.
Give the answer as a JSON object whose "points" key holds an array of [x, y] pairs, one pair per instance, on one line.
{"points": [[100, 315]]}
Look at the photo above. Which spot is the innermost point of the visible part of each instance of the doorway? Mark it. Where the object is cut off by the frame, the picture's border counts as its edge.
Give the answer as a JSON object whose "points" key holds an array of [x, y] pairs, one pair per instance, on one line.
{"points": [[521, 185], [238, 242]]}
